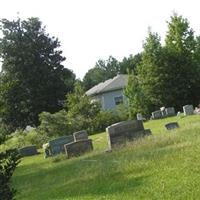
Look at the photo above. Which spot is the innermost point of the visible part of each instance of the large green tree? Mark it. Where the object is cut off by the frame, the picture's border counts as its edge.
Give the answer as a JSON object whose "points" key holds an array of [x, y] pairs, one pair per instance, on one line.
{"points": [[181, 65], [32, 78], [150, 73], [130, 63]]}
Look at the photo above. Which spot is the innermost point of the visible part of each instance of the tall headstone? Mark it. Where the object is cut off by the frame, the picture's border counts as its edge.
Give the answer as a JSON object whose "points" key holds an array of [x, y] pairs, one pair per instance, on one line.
{"points": [[78, 147], [157, 114], [28, 151], [139, 116], [56, 146], [170, 111], [120, 133], [188, 110], [80, 135]]}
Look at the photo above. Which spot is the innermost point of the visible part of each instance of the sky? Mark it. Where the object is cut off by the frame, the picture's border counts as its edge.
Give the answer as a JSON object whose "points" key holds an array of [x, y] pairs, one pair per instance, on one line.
{"points": [[90, 30]]}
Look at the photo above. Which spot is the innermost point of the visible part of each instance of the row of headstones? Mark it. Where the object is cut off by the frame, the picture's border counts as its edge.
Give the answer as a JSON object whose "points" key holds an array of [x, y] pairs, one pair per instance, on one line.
{"points": [[78, 143], [119, 134], [123, 132], [168, 112], [73, 145]]}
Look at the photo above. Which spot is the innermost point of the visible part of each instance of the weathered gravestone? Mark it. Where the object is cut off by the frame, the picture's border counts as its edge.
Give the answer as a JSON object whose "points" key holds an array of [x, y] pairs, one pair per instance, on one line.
{"points": [[188, 110], [139, 116], [28, 151], [80, 135], [56, 146], [147, 132], [120, 133], [170, 111], [78, 147], [157, 114], [171, 125]]}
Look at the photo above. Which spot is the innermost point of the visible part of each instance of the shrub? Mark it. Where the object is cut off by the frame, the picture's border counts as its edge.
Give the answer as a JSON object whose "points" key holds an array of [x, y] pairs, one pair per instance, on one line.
{"points": [[21, 138], [54, 124]]}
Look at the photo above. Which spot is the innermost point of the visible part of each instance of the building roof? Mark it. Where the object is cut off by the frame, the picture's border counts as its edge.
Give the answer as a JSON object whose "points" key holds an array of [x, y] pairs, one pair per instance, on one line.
{"points": [[118, 82]]}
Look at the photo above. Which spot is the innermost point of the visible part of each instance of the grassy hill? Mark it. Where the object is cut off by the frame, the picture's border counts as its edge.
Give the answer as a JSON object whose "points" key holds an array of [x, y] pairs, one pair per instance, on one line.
{"points": [[165, 165]]}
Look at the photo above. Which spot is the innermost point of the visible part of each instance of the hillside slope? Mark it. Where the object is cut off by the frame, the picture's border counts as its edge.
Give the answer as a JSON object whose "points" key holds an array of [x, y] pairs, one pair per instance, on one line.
{"points": [[163, 166]]}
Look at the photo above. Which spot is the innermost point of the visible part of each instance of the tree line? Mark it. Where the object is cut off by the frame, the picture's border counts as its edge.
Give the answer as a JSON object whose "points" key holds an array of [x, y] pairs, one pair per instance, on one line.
{"points": [[169, 74]]}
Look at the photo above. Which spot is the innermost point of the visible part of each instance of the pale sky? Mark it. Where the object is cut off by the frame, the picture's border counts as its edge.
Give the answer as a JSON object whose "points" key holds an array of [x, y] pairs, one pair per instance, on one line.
{"points": [[94, 29]]}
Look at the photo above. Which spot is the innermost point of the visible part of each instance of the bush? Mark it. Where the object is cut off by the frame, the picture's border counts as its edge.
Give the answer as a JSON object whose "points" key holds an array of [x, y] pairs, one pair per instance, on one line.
{"points": [[9, 159], [22, 138], [54, 124], [107, 118]]}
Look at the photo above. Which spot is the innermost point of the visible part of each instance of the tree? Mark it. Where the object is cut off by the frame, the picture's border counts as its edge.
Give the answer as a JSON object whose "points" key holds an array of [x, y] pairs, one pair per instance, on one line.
{"points": [[32, 78], [136, 99], [81, 110], [150, 73], [130, 63], [181, 70], [102, 71], [93, 77]]}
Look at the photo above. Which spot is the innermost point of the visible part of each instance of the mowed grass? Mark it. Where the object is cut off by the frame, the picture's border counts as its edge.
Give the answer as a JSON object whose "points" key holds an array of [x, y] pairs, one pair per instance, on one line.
{"points": [[165, 165]]}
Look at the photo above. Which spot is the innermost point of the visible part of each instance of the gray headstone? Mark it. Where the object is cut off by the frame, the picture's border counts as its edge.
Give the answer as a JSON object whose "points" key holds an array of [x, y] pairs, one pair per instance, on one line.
{"points": [[28, 150], [171, 125], [80, 135], [56, 146], [139, 116], [77, 148], [188, 110], [157, 114], [170, 111], [120, 133], [147, 132]]}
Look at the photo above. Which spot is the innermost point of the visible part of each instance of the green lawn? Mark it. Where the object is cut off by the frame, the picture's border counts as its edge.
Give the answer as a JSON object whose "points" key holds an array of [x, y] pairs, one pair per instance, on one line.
{"points": [[162, 166]]}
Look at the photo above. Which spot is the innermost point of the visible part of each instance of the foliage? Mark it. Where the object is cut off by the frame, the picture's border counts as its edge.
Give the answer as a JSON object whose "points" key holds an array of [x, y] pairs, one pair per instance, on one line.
{"points": [[21, 138], [9, 159], [181, 68], [54, 124], [130, 63], [106, 69], [32, 79], [106, 118], [166, 75], [81, 110], [149, 79], [136, 99], [102, 71]]}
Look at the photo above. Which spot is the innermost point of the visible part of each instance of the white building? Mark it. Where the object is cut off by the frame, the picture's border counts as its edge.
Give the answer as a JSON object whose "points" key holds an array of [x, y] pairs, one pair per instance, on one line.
{"points": [[110, 93]]}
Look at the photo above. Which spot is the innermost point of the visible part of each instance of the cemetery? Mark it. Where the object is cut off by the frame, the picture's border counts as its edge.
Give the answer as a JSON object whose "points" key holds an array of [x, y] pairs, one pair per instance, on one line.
{"points": [[128, 129], [144, 155]]}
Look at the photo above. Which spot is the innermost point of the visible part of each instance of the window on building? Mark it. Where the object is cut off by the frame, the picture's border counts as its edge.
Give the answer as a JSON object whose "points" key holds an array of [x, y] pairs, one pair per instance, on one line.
{"points": [[118, 100]]}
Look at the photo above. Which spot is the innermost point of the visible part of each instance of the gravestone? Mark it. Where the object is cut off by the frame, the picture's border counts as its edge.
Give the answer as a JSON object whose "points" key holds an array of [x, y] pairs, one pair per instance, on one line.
{"points": [[188, 110], [171, 125], [120, 133], [28, 151], [170, 111], [147, 132], [139, 116], [56, 146], [80, 135], [157, 114], [78, 147]]}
